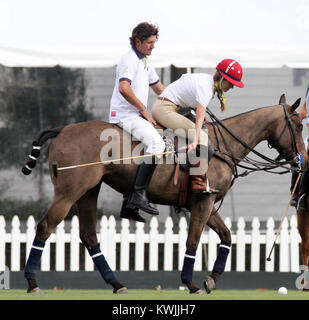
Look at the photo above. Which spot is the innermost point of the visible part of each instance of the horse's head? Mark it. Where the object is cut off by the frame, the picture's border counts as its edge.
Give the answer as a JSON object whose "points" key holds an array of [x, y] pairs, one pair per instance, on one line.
{"points": [[286, 135]]}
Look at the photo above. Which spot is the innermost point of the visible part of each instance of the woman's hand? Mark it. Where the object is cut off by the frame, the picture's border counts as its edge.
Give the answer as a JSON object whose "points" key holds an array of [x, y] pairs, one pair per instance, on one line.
{"points": [[199, 120], [191, 147]]}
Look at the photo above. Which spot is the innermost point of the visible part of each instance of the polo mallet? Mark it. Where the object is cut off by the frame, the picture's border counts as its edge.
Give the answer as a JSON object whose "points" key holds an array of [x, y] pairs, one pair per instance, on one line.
{"points": [[285, 213], [56, 169]]}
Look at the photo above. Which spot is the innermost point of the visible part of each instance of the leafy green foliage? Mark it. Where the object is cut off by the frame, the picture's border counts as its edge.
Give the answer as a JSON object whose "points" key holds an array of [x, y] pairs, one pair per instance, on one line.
{"points": [[35, 99]]}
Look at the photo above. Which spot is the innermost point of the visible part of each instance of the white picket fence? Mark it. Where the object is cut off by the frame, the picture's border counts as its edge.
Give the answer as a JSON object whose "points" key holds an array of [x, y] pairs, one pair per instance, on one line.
{"points": [[288, 242]]}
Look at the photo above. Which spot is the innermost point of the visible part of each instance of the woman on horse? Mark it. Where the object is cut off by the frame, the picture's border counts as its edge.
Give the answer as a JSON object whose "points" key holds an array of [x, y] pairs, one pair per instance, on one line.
{"points": [[195, 91], [128, 109]]}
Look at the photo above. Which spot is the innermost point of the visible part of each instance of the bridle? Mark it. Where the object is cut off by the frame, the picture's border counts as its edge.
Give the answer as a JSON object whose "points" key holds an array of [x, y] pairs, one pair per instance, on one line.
{"points": [[271, 164], [292, 133]]}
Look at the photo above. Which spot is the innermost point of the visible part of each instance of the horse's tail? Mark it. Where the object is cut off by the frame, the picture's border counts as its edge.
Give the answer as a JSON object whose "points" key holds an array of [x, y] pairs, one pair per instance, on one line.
{"points": [[36, 146]]}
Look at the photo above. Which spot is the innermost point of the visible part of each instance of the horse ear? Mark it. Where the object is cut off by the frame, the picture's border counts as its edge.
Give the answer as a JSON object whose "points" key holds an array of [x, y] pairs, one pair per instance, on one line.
{"points": [[296, 104], [282, 99]]}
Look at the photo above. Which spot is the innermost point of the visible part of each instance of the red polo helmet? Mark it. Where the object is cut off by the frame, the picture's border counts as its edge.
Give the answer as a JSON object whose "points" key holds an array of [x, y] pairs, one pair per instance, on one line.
{"points": [[231, 70]]}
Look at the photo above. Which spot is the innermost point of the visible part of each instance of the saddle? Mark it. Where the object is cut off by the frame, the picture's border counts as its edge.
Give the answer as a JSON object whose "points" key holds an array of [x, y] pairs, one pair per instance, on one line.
{"points": [[181, 174]]}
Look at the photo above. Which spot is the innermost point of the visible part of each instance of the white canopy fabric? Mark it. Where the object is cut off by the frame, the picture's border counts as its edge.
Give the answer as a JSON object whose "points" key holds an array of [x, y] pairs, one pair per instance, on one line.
{"points": [[197, 33]]}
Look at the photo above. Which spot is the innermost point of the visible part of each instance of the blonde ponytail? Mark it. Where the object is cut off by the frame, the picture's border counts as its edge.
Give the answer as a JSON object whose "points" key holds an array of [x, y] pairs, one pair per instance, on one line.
{"points": [[220, 96]]}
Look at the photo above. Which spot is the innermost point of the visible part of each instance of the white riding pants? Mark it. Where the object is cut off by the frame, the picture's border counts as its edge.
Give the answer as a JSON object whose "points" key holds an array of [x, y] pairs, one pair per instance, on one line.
{"points": [[142, 130]]}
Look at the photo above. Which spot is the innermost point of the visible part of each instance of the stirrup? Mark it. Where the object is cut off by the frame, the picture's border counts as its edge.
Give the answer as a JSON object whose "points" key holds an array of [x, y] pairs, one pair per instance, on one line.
{"points": [[208, 191]]}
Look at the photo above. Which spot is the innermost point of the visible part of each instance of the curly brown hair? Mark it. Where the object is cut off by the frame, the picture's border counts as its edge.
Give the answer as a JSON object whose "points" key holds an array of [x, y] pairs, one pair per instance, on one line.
{"points": [[143, 31]]}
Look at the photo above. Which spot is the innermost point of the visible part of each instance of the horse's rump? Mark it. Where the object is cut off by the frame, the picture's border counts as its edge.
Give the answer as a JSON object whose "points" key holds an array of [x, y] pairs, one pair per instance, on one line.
{"points": [[89, 142]]}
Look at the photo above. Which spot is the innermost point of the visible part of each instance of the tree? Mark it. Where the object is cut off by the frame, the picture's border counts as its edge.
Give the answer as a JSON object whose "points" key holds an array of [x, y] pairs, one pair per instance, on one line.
{"points": [[35, 99]]}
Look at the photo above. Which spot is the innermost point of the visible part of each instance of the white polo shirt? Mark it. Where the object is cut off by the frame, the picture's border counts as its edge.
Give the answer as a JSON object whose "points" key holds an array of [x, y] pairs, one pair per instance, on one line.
{"points": [[135, 68], [190, 89]]}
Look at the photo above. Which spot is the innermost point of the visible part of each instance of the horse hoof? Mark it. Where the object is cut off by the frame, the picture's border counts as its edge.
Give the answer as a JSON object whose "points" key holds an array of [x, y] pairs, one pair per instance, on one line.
{"points": [[198, 291], [209, 284], [35, 290], [193, 289], [122, 290]]}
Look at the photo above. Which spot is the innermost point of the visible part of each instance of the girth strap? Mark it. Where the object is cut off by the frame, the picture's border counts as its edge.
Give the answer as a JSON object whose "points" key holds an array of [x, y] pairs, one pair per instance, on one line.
{"points": [[219, 155]]}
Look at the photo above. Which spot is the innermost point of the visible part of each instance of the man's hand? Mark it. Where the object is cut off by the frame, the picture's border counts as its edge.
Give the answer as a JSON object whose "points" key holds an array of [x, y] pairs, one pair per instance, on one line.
{"points": [[147, 116], [303, 112]]}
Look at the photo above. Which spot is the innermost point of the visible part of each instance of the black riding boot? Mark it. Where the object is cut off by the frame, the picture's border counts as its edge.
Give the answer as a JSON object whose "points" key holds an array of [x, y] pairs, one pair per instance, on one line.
{"points": [[137, 199], [131, 214], [295, 195], [303, 191]]}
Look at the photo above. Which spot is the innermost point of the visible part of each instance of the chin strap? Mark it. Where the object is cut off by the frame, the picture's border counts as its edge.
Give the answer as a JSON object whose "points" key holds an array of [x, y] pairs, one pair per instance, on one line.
{"points": [[220, 94]]}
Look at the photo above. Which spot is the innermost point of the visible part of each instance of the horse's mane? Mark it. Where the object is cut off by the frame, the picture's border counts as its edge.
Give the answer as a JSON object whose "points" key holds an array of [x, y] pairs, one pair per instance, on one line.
{"points": [[245, 113]]}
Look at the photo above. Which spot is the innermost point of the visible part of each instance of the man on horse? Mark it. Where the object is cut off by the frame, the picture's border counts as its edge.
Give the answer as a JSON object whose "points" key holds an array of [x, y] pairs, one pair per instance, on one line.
{"points": [[195, 91], [299, 198], [128, 109]]}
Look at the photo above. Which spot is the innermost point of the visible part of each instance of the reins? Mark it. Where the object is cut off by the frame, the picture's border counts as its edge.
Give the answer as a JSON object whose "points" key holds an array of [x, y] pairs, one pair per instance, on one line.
{"points": [[270, 164]]}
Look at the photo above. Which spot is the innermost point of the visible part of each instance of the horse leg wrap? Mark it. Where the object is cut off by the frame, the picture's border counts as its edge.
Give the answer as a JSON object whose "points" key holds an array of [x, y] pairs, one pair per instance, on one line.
{"points": [[33, 262], [187, 269], [220, 262], [102, 265]]}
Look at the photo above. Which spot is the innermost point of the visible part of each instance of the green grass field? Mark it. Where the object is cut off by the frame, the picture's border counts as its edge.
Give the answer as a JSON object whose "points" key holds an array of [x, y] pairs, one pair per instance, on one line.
{"points": [[152, 295]]}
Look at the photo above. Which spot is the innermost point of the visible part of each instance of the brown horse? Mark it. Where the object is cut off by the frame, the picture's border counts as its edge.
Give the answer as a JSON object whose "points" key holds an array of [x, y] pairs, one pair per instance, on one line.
{"points": [[83, 143]]}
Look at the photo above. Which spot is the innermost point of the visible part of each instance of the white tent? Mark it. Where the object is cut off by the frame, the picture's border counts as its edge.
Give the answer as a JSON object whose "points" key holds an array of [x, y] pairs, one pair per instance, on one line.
{"points": [[197, 33]]}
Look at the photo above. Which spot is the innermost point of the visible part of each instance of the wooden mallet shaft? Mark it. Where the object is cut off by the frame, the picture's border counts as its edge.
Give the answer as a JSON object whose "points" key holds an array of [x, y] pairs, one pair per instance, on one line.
{"points": [[56, 169]]}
